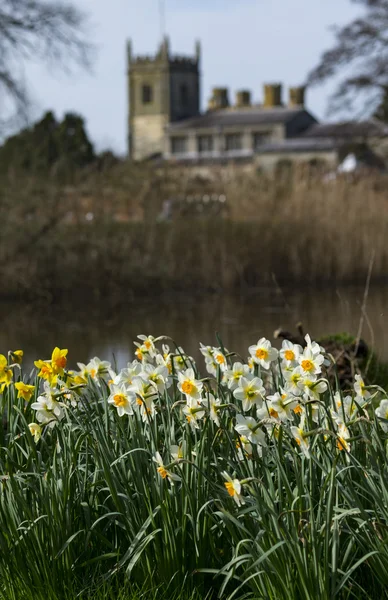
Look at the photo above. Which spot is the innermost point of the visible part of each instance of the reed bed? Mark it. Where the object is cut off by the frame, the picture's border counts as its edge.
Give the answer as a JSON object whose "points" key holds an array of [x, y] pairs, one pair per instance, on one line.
{"points": [[296, 227], [255, 479]]}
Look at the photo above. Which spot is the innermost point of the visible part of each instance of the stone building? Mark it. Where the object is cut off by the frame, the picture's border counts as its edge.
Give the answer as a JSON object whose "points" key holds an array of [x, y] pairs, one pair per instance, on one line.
{"points": [[165, 119]]}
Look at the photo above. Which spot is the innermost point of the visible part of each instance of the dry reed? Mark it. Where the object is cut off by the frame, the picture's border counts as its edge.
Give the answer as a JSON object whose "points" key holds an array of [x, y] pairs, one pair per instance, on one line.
{"points": [[296, 227]]}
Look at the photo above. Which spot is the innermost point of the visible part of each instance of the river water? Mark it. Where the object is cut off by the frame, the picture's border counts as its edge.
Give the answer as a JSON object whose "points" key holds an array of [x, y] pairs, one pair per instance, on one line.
{"points": [[88, 329]]}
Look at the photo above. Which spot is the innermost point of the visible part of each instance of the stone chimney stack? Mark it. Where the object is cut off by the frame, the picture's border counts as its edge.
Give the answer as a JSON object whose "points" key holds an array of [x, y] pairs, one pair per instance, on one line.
{"points": [[297, 96], [272, 95], [219, 99], [243, 98]]}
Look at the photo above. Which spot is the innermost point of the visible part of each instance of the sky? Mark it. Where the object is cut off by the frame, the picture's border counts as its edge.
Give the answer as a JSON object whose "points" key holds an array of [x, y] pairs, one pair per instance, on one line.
{"points": [[245, 43]]}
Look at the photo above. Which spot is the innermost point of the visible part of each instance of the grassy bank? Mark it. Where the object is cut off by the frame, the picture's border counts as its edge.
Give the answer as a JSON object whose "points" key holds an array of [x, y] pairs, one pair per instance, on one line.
{"points": [[237, 478], [297, 228]]}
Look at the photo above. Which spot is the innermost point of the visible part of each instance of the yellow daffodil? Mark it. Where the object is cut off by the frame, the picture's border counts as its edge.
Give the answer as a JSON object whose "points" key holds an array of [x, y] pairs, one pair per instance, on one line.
{"points": [[24, 391], [17, 356], [46, 371], [59, 360], [36, 431], [5, 372]]}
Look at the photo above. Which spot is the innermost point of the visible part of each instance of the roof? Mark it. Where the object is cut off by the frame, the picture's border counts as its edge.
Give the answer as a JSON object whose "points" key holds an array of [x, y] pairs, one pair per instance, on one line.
{"points": [[231, 118], [348, 129], [299, 145]]}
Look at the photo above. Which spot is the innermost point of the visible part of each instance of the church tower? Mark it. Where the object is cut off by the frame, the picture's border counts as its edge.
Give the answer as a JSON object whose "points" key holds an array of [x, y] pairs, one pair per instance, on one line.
{"points": [[162, 89]]}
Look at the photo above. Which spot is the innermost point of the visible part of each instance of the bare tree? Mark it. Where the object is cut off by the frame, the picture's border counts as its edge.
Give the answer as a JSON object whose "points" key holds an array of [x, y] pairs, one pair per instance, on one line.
{"points": [[47, 30], [360, 53]]}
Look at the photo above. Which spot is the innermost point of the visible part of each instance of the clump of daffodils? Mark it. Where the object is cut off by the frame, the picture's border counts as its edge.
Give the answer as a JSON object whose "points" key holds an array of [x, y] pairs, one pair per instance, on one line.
{"points": [[274, 395]]}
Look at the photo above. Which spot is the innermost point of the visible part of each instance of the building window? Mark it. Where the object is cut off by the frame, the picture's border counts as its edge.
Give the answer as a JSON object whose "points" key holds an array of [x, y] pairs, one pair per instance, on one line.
{"points": [[205, 143], [233, 141], [184, 94], [178, 145], [259, 138], [146, 94]]}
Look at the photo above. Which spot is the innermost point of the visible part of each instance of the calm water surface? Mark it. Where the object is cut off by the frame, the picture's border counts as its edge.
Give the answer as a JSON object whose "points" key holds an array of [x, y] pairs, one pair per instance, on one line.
{"points": [[88, 329]]}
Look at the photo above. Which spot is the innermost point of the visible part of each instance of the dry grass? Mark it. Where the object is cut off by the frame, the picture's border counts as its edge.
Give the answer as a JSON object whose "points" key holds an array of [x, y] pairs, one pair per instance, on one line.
{"points": [[296, 227]]}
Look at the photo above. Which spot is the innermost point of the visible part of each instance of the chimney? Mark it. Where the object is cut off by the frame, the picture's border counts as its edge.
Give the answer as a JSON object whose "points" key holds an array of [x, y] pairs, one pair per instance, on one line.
{"points": [[272, 95], [297, 96], [243, 98], [219, 99]]}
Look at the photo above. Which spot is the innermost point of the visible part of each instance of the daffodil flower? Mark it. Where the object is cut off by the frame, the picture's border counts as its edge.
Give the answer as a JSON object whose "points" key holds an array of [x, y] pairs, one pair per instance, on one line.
{"points": [[249, 428], [382, 413], [194, 412], [189, 385], [281, 405], [36, 431], [163, 471], [122, 399], [233, 487], [5, 371], [232, 376], [290, 353], [263, 353], [250, 391], [24, 391], [359, 387]]}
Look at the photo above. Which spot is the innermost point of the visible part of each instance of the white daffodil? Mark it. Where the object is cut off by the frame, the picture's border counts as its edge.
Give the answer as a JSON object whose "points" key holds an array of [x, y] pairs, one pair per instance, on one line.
{"points": [[220, 359], [342, 437], [268, 416], [290, 353], [310, 386], [122, 398], [382, 413], [143, 389], [148, 341], [360, 389], [206, 351], [249, 428], [126, 375], [189, 385], [211, 367], [48, 408], [158, 375], [346, 408], [244, 448], [310, 363], [291, 382], [99, 367], [250, 391], [181, 360], [232, 376], [282, 404], [213, 405], [233, 487], [147, 408], [163, 472], [299, 436], [36, 431], [193, 412], [263, 353], [313, 347], [176, 451]]}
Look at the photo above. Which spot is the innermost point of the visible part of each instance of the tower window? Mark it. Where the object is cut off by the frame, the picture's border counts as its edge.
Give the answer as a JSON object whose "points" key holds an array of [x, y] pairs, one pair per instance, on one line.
{"points": [[184, 94], [146, 94]]}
